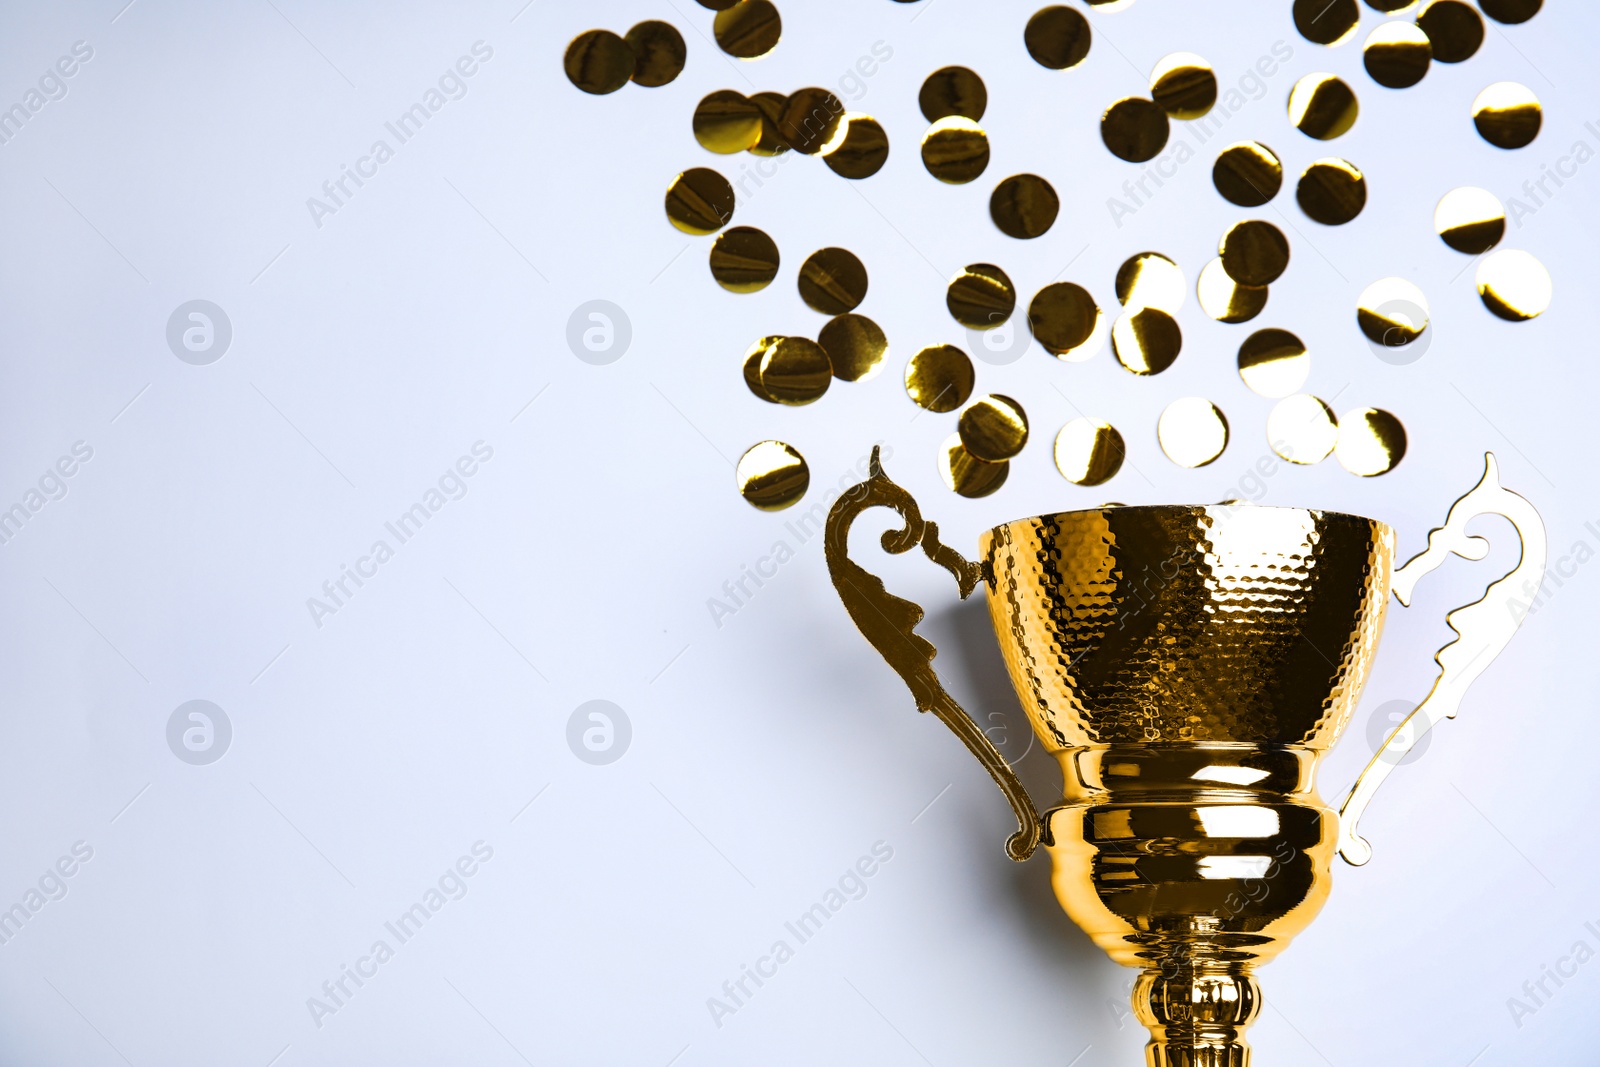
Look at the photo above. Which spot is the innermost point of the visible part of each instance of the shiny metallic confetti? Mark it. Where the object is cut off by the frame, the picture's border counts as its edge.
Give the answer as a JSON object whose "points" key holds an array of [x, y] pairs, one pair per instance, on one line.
{"points": [[1273, 363], [981, 296], [1397, 54], [717, 5], [1146, 340], [1510, 12], [993, 429], [1192, 431], [833, 281], [1024, 206], [795, 371], [749, 29], [771, 106], [752, 367], [1135, 129], [1392, 312], [1302, 429], [939, 378], [1390, 7], [699, 201], [1371, 442], [1150, 279], [953, 91], [1514, 285], [965, 473], [599, 62], [1184, 85], [1322, 106], [772, 475], [955, 150], [659, 53], [744, 259], [1470, 220], [1225, 299], [1248, 173], [1254, 253], [1507, 115], [1063, 317], [1332, 192], [855, 346], [859, 150], [1089, 452], [1329, 22], [810, 119], [727, 122], [1057, 37], [1454, 30]]}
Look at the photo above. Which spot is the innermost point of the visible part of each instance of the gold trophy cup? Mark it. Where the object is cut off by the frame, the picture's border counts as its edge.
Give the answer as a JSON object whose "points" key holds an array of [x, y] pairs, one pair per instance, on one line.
{"points": [[1188, 667]]}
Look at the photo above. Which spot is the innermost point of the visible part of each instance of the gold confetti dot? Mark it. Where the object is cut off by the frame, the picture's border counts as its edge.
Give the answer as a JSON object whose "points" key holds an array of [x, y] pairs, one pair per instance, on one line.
{"points": [[1392, 312], [1453, 28], [717, 5], [659, 53], [1107, 6], [1024, 206], [1329, 22], [833, 281], [1146, 340], [1371, 442], [727, 122], [772, 475], [1470, 220], [795, 371], [939, 378], [1332, 192], [1397, 54], [752, 366], [860, 148], [1225, 299], [965, 473], [1184, 85], [1134, 129], [748, 30], [1302, 429], [955, 150], [1192, 431], [994, 429], [855, 346], [1057, 37], [1514, 285], [1390, 7], [599, 62], [1254, 253], [1150, 279], [744, 259], [1322, 106], [1089, 452], [1510, 12], [1063, 316], [1507, 115], [1248, 173], [1273, 362], [981, 297], [771, 142], [953, 91], [699, 201], [810, 119]]}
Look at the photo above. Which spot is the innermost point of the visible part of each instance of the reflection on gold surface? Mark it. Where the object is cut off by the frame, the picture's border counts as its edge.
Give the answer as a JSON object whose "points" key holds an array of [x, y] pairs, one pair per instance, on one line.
{"points": [[955, 150], [859, 149], [1062, 317], [1510, 12], [1273, 362], [1088, 451], [833, 281], [1024, 206], [795, 371], [598, 62], [981, 296], [1184, 85], [1514, 285], [965, 473], [771, 106], [1329, 22], [1322, 106], [1397, 54], [727, 122], [1057, 37], [1470, 220], [1507, 115], [1146, 340], [810, 119], [752, 366], [1302, 429], [1135, 129], [855, 345], [939, 378], [772, 475], [749, 29], [717, 5], [1254, 252], [1391, 7], [699, 201], [659, 53], [953, 91], [1248, 173], [1332, 192], [1392, 312], [744, 259], [1192, 431], [1225, 299], [1150, 279], [993, 429], [1371, 442], [1454, 29]]}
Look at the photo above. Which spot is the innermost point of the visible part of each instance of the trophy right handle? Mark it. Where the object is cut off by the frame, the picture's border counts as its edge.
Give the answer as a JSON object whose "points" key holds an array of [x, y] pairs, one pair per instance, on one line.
{"points": [[888, 622], [1483, 629]]}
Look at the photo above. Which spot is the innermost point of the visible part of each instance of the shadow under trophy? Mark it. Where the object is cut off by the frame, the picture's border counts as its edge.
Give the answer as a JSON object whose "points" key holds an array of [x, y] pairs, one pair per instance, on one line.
{"points": [[1188, 667]]}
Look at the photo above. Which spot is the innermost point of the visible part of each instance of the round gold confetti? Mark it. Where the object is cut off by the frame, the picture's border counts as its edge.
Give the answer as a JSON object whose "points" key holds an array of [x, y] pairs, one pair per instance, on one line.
{"points": [[810, 119], [860, 148], [833, 281], [727, 122], [1390, 7], [1397, 54], [1322, 106], [855, 345], [1184, 85], [994, 429], [1057, 37], [965, 473], [1254, 253], [717, 5], [795, 371], [772, 475], [939, 378], [1089, 452], [1329, 22], [1146, 340], [744, 259], [1108, 6], [1225, 299], [1273, 362], [1470, 220], [748, 30], [955, 150], [1514, 285], [1332, 192], [1392, 312], [1150, 279], [599, 62], [1454, 29], [1063, 316], [1248, 174], [752, 367], [981, 297], [771, 142], [1192, 431], [699, 201], [1371, 442], [1510, 12], [1507, 115], [953, 91], [1134, 129], [1302, 429], [659, 53], [1024, 206]]}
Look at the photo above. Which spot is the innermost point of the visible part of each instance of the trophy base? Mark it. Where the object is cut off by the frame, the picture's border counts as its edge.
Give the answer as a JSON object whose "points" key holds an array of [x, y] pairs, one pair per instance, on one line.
{"points": [[1196, 1017]]}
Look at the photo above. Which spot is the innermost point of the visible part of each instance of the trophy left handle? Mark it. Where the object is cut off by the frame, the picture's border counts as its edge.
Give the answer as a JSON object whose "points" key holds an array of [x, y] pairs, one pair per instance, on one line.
{"points": [[888, 622]]}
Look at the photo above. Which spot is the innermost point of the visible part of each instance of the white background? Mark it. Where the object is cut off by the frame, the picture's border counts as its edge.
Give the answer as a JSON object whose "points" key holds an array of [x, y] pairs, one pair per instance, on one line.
{"points": [[768, 754]]}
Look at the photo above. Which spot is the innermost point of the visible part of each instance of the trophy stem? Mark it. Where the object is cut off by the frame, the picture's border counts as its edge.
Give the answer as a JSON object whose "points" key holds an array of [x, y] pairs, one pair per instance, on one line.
{"points": [[1196, 1015]]}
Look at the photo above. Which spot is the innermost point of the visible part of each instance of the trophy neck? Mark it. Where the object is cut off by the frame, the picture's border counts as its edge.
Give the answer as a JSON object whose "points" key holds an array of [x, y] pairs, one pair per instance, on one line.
{"points": [[1218, 772]]}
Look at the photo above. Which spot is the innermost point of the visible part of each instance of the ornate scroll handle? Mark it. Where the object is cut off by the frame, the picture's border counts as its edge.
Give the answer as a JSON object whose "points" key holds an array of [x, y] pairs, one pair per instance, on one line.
{"points": [[1483, 629], [887, 622]]}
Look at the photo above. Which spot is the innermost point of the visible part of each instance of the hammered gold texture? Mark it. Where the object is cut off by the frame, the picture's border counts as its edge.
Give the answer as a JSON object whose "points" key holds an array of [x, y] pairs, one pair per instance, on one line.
{"points": [[1166, 624]]}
